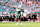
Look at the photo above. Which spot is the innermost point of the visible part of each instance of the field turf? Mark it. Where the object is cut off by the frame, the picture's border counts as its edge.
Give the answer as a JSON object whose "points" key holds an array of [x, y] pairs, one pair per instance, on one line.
{"points": [[25, 24]]}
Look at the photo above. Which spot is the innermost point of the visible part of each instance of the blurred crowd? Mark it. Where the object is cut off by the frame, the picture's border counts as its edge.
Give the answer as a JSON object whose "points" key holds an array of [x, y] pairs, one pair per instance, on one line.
{"points": [[11, 7]]}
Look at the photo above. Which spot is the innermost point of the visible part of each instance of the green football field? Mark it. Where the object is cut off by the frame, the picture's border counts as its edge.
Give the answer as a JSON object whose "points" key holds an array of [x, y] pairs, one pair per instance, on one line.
{"points": [[25, 24]]}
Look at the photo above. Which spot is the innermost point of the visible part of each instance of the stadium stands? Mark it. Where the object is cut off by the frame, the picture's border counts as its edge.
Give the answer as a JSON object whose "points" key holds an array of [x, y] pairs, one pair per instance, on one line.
{"points": [[8, 7]]}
